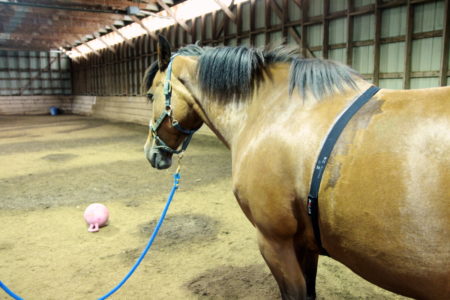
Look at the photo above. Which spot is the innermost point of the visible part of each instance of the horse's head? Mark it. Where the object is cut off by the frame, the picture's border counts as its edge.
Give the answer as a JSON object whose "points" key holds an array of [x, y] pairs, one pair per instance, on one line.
{"points": [[174, 120]]}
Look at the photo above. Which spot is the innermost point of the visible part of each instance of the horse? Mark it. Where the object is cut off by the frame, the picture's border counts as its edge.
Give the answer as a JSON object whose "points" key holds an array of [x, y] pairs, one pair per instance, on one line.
{"points": [[384, 205]]}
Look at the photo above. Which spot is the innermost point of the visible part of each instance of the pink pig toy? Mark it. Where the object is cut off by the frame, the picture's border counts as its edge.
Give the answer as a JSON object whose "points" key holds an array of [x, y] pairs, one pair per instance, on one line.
{"points": [[96, 215]]}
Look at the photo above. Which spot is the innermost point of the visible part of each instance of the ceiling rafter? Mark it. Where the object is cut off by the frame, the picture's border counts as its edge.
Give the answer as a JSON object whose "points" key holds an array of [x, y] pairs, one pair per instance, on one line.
{"points": [[100, 38], [46, 24], [227, 10], [140, 23], [127, 40], [172, 14]]}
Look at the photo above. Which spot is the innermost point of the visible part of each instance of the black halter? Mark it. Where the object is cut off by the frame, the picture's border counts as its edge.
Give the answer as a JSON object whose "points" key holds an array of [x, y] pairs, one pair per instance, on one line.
{"points": [[160, 144], [322, 159]]}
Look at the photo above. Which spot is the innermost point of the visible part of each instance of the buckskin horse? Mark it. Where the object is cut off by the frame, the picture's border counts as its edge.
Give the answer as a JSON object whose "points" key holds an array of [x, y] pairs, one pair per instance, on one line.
{"points": [[384, 198]]}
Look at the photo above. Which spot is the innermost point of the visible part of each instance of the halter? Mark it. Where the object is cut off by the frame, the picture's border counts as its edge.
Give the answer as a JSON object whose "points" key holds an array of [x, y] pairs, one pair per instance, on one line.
{"points": [[160, 144]]}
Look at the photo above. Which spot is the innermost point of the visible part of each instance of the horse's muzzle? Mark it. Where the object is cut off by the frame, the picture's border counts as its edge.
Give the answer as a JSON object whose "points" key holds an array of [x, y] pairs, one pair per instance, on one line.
{"points": [[158, 158]]}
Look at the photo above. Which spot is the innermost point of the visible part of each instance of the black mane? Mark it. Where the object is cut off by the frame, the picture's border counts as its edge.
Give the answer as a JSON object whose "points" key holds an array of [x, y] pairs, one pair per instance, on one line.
{"points": [[231, 73]]}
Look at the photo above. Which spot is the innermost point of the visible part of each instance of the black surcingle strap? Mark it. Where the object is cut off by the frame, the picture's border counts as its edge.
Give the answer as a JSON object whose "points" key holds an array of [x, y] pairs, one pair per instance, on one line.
{"points": [[327, 148]]}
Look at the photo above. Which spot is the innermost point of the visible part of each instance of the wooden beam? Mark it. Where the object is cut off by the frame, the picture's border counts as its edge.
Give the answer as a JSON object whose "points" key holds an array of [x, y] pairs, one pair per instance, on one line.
{"points": [[223, 26], [349, 45], [127, 40], [291, 30], [171, 13], [445, 45], [298, 3], [92, 49], [252, 22], [325, 28], [285, 20], [239, 23], [140, 23], [376, 47], [227, 10], [67, 54], [79, 52], [267, 19], [101, 40], [408, 45]]}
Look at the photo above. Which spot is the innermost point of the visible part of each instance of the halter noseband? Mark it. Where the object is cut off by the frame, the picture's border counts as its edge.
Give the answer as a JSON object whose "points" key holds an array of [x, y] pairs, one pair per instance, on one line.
{"points": [[160, 144]]}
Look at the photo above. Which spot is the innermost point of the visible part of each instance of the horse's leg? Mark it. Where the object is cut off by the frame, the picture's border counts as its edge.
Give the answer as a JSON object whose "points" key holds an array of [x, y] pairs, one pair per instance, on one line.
{"points": [[308, 261], [280, 256]]}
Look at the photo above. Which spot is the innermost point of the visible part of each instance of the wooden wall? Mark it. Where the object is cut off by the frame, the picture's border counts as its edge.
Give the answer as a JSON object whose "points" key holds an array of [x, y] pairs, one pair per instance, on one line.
{"points": [[126, 109], [33, 105]]}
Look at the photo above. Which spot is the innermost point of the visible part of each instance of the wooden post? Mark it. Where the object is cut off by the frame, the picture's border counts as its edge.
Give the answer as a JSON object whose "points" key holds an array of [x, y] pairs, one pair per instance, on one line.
{"points": [[349, 45], [408, 45], [376, 46], [325, 28], [445, 46], [238, 23], [252, 22], [267, 19], [284, 21]]}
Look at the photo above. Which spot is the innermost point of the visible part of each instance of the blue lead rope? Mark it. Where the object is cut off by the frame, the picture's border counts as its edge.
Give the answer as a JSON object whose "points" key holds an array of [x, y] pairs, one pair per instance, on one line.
{"points": [[176, 181]]}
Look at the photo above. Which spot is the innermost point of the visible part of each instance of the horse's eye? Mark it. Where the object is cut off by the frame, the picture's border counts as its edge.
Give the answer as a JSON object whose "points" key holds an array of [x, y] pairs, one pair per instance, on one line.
{"points": [[150, 97]]}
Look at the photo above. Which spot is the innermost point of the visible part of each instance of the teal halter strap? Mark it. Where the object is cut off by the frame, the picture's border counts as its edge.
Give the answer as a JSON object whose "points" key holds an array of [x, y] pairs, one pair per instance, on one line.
{"points": [[160, 144]]}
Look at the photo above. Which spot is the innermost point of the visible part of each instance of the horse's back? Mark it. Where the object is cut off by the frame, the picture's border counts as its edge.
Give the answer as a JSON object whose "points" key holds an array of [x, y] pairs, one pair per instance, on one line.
{"points": [[385, 197]]}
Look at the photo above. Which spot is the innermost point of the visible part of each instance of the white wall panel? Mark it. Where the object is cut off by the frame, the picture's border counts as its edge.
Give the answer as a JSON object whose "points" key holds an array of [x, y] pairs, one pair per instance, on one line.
{"points": [[428, 16], [338, 55], [393, 21], [396, 84], [393, 55], [426, 54], [420, 83], [314, 35], [363, 59], [245, 10], [315, 8], [337, 31], [338, 5], [364, 28], [359, 3]]}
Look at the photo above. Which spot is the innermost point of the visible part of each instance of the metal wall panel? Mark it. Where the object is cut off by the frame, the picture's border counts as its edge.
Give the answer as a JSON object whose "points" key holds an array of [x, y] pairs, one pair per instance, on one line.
{"points": [[393, 57], [364, 28], [429, 16], [420, 83], [363, 59], [359, 3], [294, 12], [338, 5], [395, 84], [315, 8], [337, 31], [393, 22], [426, 54], [315, 35], [34, 73], [338, 55]]}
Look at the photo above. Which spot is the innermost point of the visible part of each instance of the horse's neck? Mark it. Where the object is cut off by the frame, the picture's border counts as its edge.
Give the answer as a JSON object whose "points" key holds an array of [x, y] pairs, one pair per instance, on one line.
{"points": [[226, 120], [269, 103]]}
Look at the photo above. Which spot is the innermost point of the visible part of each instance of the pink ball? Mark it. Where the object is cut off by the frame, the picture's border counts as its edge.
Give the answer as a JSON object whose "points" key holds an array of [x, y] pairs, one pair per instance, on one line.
{"points": [[96, 215]]}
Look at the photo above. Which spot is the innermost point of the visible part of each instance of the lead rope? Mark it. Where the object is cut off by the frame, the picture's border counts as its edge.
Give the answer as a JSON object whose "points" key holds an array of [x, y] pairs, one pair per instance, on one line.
{"points": [[176, 181]]}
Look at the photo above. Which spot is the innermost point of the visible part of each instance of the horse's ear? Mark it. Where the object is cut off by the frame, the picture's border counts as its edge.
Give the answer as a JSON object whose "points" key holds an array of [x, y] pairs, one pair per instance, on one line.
{"points": [[164, 53]]}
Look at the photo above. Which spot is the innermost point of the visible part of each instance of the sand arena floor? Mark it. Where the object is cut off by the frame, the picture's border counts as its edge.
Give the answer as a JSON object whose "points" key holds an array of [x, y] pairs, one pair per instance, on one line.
{"points": [[51, 168]]}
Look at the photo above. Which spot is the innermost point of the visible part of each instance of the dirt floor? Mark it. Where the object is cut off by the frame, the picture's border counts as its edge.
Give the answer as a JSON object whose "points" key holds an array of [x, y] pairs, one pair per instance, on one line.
{"points": [[51, 168]]}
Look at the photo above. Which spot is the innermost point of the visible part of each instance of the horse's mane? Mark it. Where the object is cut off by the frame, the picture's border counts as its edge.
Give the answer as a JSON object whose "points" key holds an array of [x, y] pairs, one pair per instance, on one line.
{"points": [[231, 73]]}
